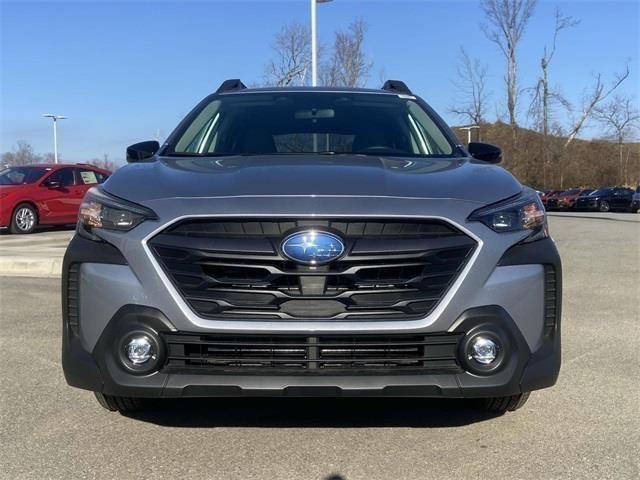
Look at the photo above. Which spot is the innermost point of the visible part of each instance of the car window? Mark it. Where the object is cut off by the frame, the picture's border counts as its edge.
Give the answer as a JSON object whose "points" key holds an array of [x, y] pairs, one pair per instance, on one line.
{"points": [[21, 175], [64, 177], [303, 123], [102, 177], [90, 177]]}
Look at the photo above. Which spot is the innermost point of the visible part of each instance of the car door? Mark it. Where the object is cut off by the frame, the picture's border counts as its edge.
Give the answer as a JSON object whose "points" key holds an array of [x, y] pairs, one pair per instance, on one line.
{"points": [[87, 178], [58, 197], [626, 197], [617, 198]]}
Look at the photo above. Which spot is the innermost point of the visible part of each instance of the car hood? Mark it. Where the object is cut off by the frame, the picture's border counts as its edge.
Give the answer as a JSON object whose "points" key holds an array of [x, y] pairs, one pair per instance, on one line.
{"points": [[313, 175]]}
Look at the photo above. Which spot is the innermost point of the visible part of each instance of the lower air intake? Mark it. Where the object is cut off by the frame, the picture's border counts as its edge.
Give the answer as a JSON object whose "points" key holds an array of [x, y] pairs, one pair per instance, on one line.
{"points": [[298, 354]]}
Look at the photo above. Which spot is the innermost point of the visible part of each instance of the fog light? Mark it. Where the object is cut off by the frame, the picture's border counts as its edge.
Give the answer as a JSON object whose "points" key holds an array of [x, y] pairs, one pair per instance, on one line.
{"points": [[139, 350], [483, 350]]}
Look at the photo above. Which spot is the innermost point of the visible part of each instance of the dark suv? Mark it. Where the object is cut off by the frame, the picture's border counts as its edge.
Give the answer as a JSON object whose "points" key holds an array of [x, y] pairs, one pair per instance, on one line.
{"points": [[312, 242], [606, 199]]}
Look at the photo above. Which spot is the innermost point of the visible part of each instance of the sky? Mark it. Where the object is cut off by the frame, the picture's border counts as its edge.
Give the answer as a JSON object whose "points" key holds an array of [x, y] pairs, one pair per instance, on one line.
{"points": [[122, 71]]}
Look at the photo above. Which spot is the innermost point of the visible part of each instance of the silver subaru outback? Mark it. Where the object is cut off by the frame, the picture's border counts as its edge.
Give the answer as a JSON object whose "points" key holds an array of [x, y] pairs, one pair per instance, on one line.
{"points": [[311, 241]]}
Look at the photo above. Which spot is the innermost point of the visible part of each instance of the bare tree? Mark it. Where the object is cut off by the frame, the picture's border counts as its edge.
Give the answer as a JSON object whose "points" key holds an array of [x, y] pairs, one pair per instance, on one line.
{"points": [[471, 84], [598, 93], [508, 20], [620, 117], [348, 65], [104, 163], [22, 154], [595, 96], [292, 47], [544, 97]]}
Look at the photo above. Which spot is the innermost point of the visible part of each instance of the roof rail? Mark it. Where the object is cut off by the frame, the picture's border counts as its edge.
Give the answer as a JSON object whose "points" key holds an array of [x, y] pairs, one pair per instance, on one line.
{"points": [[231, 85], [397, 86]]}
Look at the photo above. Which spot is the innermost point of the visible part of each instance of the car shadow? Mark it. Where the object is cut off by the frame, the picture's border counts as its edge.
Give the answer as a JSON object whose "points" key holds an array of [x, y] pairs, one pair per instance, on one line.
{"points": [[312, 412]]}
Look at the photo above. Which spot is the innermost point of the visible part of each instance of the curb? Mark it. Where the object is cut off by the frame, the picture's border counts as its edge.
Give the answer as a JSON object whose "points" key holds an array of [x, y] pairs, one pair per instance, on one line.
{"points": [[30, 267]]}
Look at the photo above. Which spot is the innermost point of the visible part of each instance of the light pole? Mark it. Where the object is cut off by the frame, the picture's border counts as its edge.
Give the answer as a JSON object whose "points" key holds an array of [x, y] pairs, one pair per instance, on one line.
{"points": [[55, 119], [314, 43], [468, 129]]}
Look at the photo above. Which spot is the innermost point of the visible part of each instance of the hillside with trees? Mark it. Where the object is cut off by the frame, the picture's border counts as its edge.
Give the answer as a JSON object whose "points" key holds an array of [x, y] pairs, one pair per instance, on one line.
{"points": [[585, 163]]}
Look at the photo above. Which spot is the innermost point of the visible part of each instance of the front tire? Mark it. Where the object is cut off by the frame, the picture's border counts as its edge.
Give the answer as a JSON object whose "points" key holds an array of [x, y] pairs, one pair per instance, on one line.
{"points": [[118, 404], [604, 207], [24, 219], [505, 404]]}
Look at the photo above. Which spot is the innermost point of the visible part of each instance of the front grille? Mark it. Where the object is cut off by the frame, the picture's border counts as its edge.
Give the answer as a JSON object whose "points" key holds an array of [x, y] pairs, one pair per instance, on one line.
{"points": [[309, 355], [233, 269]]}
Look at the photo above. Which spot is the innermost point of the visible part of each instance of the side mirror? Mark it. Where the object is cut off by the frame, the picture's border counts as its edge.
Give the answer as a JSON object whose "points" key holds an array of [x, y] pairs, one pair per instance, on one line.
{"points": [[52, 184], [142, 151], [485, 152]]}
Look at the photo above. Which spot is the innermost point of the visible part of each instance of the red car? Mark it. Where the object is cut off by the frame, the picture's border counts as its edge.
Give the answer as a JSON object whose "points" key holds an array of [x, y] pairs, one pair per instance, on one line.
{"points": [[568, 199], [44, 194], [547, 194]]}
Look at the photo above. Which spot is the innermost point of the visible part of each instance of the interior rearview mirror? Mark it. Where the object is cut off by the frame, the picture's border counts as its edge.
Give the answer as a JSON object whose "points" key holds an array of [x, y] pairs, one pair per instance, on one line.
{"points": [[485, 152], [315, 113], [139, 152]]}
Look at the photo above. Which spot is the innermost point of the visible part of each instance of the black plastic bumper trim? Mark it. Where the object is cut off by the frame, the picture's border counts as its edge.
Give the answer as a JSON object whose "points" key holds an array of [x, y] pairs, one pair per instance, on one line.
{"points": [[100, 371]]}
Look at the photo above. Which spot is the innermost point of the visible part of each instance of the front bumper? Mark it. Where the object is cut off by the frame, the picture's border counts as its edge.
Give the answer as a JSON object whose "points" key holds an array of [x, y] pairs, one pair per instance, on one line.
{"points": [[512, 302], [587, 206]]}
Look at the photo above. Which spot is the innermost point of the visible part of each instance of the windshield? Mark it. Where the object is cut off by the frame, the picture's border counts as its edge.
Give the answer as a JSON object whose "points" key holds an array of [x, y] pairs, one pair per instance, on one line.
{"points": [[584, 193], [21, 175], [602, 191], [303, 122]]}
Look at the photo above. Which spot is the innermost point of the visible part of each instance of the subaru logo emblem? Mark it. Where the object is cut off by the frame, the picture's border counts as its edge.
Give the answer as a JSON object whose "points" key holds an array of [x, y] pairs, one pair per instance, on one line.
{"points": [[312, 247]]}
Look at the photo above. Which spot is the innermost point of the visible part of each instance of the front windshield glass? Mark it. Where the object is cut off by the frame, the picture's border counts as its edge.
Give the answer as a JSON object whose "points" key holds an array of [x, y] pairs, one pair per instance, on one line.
{"points": [[602, 191], [21, 175], [301, 122]]}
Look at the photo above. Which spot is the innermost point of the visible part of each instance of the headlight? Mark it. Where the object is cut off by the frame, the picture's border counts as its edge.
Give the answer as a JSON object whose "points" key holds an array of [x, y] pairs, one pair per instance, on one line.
{"points": [[99, 210], [524, 212]]}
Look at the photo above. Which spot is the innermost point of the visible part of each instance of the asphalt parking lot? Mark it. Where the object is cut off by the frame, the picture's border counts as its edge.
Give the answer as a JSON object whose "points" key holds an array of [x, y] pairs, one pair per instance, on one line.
{"points": [[587, 426]]}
